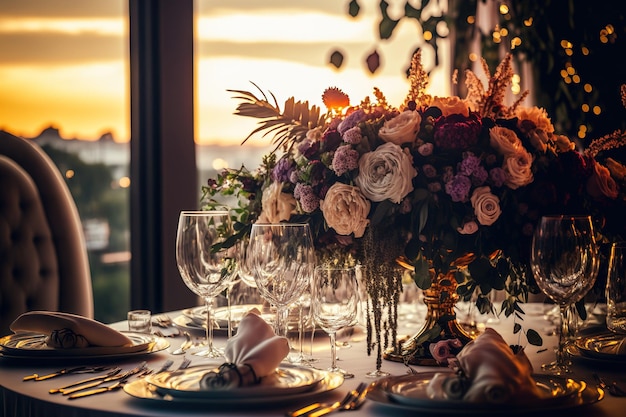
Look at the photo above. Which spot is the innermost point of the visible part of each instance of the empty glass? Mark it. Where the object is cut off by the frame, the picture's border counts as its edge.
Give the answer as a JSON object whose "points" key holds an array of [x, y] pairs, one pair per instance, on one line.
{"points": [[564, 261], [335, 299], [206, 268], [282, 258]]}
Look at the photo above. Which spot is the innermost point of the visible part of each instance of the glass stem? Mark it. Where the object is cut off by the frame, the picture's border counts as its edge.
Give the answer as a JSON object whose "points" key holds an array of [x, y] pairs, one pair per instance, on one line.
{"points": [[230, 317], [209, 325], [333, 351], [560, 351], [301, 330], [282, 314]]}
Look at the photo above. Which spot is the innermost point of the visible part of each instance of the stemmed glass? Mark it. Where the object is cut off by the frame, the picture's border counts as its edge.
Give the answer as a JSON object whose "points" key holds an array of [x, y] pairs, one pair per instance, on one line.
{"points": [[335, 299], [282, 257], [206, 268], [565, 262]]}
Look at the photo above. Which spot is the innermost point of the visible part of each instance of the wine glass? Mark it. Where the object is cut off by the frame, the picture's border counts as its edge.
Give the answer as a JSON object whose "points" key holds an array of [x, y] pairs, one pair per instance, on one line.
{"points": [[335, 299], [564, 261], [206, 268], [282, 257]]}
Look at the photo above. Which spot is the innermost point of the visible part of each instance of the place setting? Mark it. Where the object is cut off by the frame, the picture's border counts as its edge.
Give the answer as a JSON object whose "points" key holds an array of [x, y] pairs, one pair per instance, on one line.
{"points": [[486, 377], [63, 336], [253, 370]]}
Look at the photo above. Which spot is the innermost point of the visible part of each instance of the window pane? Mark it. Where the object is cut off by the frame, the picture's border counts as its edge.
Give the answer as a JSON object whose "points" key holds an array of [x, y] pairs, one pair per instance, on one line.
{"points": [[63, 83], [284, 47]]}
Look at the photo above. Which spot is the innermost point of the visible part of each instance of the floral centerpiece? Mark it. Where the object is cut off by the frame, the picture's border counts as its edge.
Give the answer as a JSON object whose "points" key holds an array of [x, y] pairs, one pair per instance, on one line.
{"points": [[445, 189]]}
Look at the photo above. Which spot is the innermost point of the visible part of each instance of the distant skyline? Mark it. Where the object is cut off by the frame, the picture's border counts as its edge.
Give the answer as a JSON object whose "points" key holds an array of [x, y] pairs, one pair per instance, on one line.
{"points": [[65, 62]]}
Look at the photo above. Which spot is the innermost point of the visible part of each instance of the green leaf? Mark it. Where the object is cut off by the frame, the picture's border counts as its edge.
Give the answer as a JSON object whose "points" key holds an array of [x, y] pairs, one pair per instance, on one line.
{"points": [[534, 338], [336, 59], [354, 8]]}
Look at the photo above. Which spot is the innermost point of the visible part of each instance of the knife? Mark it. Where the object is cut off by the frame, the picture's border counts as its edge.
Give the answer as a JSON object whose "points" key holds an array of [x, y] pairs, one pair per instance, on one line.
{"points": [[64, 371], [121, 376], [86, 381], [113, 387]]}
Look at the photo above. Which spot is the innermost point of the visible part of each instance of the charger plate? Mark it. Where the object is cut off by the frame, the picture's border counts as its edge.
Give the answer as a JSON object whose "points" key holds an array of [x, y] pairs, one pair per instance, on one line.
{"points": [[287, 380], [601, 346], [143, 390], [409, 392], [33, 345]]}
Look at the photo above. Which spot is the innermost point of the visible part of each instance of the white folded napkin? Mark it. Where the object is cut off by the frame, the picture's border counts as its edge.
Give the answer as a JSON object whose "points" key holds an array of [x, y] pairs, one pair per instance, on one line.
{"points": [[252, 354], [65, 330], [488, 371]]}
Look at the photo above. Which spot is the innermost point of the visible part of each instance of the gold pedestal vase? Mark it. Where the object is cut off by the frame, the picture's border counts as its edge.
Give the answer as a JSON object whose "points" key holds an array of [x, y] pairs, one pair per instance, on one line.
{"points": [[440, 324]]}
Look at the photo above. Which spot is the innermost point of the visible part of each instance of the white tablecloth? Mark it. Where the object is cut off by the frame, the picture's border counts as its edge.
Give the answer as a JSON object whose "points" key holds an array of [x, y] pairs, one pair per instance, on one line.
{"points": [[31, 399]]}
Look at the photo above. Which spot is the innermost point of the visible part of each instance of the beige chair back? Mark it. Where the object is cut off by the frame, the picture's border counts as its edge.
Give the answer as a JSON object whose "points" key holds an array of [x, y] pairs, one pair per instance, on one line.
{"points": [[43, 256]]}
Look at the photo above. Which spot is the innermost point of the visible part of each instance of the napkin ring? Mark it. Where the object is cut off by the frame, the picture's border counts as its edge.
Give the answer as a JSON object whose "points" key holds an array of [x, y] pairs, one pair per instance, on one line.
{"points": [[66, 339], [230, 375]]}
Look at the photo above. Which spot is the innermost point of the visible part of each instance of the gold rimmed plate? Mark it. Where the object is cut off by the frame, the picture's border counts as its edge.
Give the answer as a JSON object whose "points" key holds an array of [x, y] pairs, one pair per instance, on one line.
{"points": [[287, 380], [606, 346], [33, 345], [409, 392], [142, 389]]}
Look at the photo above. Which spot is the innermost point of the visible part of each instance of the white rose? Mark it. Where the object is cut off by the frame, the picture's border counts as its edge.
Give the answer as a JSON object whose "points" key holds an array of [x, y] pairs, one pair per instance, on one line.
{"points": [[386, 173], [276, 205], [504, 140], [486, 206], [451, 105], [345, 209], [518, 168], [401, 129]]}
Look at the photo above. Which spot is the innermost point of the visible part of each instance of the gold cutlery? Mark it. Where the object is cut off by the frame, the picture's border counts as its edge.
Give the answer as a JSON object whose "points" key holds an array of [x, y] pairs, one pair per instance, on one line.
{"points": [[352, 400], [66, 371], [114, 371], [113, 387], [121, 376]]}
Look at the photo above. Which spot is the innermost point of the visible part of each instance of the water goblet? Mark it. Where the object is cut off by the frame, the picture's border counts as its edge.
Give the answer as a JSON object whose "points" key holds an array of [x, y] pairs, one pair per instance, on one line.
{"points": [[564, 262], [282, 258], [335, 299], [205, 267]]}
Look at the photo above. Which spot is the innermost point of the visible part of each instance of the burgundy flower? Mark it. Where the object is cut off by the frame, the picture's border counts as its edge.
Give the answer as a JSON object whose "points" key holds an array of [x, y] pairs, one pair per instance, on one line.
{"points": [[457, 132], [330, 141]]}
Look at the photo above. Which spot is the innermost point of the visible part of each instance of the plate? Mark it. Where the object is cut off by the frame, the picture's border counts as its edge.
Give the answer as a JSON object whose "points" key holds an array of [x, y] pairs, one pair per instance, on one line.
{"points": [[408, 392], [288, 379], [220, 314], [143, 390], [33, 345], [601, 346], [193, 319]]}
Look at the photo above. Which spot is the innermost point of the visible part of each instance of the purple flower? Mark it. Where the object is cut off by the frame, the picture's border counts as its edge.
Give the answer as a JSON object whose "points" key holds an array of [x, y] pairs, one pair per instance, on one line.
{"points": [[282, 171], [469, 165], [497, 176], [345, 159], [479, 176], [458, 188], [308, 148], [308, 200], [351, 120], [353, 136]]}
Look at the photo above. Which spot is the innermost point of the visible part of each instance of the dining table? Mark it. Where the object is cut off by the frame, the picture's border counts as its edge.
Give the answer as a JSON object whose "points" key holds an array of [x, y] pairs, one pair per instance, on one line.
{"points": [[20, 398]]}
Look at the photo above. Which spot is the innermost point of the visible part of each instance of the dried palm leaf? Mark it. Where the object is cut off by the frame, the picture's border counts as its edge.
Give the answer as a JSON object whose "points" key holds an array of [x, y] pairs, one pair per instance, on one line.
{"points": [[288, 126]]}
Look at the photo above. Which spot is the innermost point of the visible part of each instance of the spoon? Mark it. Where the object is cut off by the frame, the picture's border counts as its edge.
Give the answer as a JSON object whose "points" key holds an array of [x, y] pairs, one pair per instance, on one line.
{"points": [[185, 345]]}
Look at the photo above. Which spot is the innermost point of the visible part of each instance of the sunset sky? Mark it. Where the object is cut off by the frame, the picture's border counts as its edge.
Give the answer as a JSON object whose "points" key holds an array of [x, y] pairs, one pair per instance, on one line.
{"points": [[65, 62]]}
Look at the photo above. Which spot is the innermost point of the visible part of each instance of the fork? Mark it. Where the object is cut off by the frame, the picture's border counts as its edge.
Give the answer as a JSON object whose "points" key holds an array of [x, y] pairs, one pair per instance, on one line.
{"points": [[352, 400], [613, 388]]}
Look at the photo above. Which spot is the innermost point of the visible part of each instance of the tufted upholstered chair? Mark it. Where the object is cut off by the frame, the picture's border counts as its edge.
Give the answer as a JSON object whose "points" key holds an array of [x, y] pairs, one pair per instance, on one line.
{"points": [[43, 256]]}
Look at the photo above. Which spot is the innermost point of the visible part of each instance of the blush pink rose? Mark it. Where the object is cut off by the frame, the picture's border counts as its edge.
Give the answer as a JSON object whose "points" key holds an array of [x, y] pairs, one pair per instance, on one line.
{"points": [[486, 206], [345, 209], [401, 129]]}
